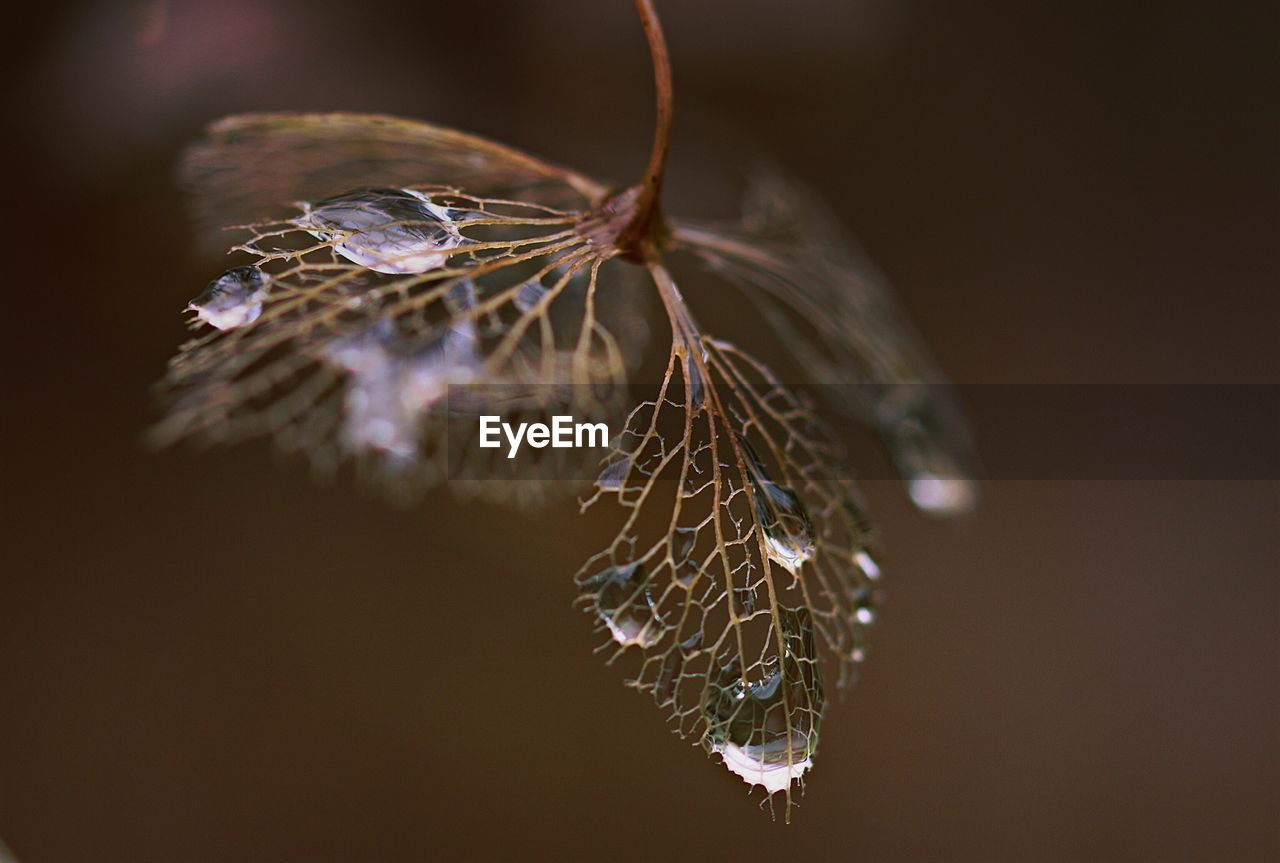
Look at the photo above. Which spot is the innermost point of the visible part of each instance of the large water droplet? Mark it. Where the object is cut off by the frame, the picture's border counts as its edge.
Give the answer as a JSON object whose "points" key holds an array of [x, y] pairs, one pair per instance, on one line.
{"points": [[394, 231], [766, 730], [233, 299], [930, 446], [697, 386], [788, 530], [625, 604]]}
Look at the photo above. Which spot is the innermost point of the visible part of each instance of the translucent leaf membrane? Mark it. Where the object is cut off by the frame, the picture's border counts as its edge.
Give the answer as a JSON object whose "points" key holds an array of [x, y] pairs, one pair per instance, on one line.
{"points": [[835, 314], [252, 166], [379, 324], [743, 548]]}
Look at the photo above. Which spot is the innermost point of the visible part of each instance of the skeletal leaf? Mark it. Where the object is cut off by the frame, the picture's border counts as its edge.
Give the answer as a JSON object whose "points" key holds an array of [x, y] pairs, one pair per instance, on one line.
{"points": [[738, 564], [403, 279]]}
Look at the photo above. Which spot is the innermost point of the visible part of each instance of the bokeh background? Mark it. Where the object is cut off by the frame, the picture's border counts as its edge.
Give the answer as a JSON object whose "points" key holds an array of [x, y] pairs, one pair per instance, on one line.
{"points": [[205, 656]]}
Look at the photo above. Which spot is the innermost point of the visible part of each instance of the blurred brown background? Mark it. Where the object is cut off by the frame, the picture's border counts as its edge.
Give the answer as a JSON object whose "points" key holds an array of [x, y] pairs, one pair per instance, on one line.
{"points": [[207, 657]]}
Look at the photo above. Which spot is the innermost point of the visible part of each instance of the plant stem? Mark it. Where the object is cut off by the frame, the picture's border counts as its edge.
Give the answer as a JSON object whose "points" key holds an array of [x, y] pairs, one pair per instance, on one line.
{"points": [[646, 206]]}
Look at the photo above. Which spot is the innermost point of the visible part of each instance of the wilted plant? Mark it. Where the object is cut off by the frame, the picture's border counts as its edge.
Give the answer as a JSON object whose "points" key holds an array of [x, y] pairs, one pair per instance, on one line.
{"points": [[462, 277]]}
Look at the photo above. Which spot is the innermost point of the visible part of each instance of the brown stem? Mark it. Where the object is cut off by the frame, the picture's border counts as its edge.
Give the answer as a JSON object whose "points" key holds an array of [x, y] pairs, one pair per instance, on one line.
{"points": [[639, 228]]}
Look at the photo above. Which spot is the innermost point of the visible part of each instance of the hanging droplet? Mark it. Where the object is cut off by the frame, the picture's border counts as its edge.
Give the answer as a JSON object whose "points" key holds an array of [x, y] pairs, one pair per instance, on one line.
{"points": [[867, 564], [766, 730], [625, 605], [930, 447], [395, 231], [697, 387], [695, 380], [614, 475], [864, 605], [942, 495], [788, 530], [233, 299], [683, 541]]}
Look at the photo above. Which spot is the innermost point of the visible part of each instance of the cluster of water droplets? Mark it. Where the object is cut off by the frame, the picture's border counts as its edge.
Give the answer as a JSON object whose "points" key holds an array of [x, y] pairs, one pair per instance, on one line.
{"points": [[392, 231], [766, 729]]}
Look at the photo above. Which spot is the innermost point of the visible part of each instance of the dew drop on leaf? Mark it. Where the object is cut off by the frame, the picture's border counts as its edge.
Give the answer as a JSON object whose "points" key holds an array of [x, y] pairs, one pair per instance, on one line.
{"points": [[788, 530], [766, 730], [697, 386], [625, 605], [867, 564], [683, 541], [614, 475], [394, 231], [233, 299]]}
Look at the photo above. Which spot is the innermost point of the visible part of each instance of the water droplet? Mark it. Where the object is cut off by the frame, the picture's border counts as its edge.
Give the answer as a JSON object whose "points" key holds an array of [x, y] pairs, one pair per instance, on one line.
{"points": [[692, 643], [864, 601], [394, 231], [744, 601], [697, 387], [788, 530], [930, 445], [766, 730], [942, 495], [695, 380], [625, 605], [683, 541], [529, 295], [867, 564], [664, 685], [233, 299], [614, 475]]}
